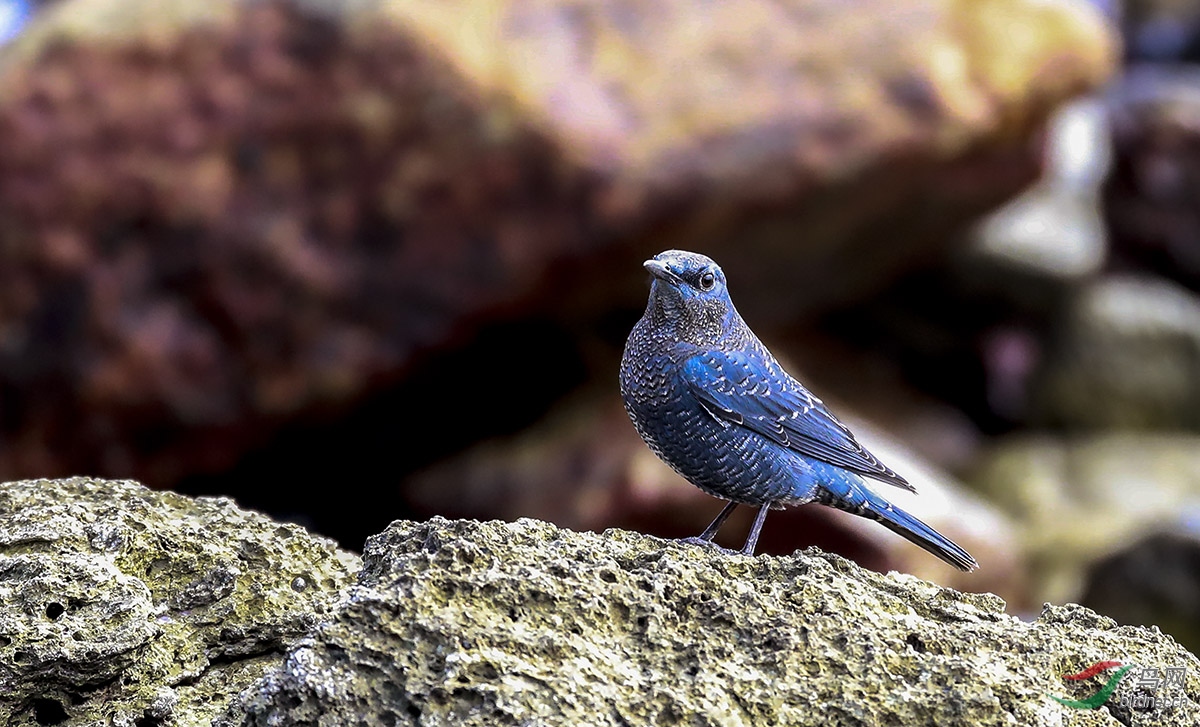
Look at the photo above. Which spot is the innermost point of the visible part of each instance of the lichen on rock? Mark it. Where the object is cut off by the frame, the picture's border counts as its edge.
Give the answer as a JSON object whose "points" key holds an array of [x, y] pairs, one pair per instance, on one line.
{"points": [[121, 605], [467, 623]]}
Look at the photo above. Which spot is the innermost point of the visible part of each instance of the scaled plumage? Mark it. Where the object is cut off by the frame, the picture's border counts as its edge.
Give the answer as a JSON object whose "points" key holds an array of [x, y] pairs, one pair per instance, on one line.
{"points": [[715, 405]]}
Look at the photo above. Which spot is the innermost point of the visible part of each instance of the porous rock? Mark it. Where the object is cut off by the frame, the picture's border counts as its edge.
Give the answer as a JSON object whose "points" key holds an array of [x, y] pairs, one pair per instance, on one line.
{"points": [[123, 606], [467, 623], [618, 482]]}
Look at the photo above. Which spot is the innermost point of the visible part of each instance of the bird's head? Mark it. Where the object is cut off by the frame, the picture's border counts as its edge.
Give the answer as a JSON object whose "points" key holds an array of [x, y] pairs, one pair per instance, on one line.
{"points": [[688, 293]]}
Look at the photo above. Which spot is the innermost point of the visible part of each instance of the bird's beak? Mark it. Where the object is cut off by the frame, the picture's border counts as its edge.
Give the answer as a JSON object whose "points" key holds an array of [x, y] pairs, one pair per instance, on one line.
{"points": [[659, 269]]}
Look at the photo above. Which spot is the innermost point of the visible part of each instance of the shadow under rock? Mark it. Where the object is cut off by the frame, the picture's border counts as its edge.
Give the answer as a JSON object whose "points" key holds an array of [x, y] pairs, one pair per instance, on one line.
{"points": [[342, 475]]}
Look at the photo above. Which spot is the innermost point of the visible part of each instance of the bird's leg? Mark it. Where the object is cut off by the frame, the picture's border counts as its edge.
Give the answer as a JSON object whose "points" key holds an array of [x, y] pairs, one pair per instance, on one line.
{"points": [[710, 532], [755, 529]]}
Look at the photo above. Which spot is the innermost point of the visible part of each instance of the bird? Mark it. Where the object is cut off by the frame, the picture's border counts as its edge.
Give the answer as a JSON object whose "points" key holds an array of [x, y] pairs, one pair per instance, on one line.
{"points": [[711, 401]]}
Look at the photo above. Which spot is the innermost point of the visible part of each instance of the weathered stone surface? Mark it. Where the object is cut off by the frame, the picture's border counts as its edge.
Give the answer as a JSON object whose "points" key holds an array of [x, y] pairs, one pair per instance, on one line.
{"points": [[616, 481], [222, 215], [465, 623], [124, 606], [1126, 354], [1075, 500], [127, 607]]}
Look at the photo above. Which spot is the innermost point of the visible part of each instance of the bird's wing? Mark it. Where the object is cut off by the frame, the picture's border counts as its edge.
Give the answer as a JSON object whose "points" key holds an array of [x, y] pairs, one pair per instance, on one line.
{"points": [[758, 394]]}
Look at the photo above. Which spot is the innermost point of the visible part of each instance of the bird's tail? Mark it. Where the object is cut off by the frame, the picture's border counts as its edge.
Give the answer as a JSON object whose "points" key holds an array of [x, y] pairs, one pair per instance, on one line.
{"points": [[858, 499]]}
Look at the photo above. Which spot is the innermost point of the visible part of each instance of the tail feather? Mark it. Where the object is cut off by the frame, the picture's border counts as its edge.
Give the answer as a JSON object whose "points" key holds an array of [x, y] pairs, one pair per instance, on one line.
{"points": [[860, 500]]}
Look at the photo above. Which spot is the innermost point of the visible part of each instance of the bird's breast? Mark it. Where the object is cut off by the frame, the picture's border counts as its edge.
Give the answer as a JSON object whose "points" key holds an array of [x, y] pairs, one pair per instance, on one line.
{"points": [[720, 458]]}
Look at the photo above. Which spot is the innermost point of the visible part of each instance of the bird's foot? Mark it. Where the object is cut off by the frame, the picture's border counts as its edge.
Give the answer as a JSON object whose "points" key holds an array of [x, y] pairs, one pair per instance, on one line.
{"points": [[709, 544]]}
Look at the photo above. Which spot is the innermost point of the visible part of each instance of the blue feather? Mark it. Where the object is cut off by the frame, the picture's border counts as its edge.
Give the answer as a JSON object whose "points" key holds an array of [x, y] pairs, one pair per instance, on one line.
{"points": [[715, 405], [856, 497], [746, 390]]}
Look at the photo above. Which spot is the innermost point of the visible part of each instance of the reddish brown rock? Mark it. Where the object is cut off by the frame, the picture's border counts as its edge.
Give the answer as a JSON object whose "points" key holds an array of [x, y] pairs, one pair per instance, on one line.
{"points": [[222, 217]]}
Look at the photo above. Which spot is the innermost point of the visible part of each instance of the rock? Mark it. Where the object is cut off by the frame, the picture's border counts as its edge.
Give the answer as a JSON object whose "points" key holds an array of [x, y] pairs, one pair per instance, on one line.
{"points": [[616, 481], [1158, 30], [223, 217], [1126, 354], [1050, 239], [127, 607], [466, 623], [1151, 198], [1019, 265], [1075, 501], [124, 606], [1040, 244], [971, 328], [1155, 580]]}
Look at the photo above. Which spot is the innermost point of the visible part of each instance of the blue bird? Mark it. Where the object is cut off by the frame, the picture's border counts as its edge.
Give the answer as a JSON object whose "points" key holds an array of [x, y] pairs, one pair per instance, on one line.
{"points": [[713, 403]]}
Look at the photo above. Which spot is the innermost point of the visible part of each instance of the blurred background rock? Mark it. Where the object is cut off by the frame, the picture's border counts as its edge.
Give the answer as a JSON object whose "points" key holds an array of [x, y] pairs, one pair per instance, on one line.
{"points": [[251, 248]]}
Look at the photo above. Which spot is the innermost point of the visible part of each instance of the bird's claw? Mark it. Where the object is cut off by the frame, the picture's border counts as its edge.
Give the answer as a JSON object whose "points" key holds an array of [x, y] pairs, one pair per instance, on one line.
{"points": [[709, 544]]}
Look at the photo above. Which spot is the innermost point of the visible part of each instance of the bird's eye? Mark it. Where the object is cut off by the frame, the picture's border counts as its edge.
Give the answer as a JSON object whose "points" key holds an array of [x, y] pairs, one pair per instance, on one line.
{"points": [[707, 281]]}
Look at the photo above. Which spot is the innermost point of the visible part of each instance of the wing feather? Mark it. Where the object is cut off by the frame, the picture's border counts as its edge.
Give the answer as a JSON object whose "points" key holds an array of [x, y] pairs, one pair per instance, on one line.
{"points": [[756, 393]]}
